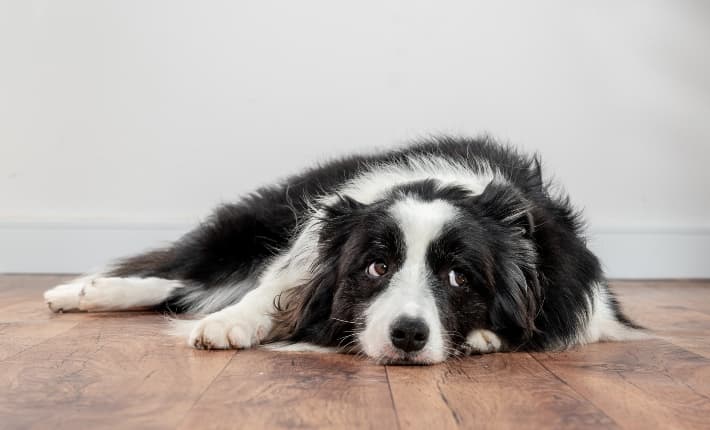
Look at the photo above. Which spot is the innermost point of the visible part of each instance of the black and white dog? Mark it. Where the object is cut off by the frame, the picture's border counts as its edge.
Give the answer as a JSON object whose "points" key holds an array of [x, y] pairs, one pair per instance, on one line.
{"points": [[447, 247]]}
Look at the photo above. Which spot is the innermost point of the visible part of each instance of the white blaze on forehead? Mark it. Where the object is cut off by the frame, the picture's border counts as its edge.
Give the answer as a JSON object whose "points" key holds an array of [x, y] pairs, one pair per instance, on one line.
{"points": [[421, 222], [409, 291]]}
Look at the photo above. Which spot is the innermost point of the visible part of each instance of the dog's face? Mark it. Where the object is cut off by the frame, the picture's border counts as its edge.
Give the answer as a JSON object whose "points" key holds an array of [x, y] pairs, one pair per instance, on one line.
{"points": [[407, 278]]}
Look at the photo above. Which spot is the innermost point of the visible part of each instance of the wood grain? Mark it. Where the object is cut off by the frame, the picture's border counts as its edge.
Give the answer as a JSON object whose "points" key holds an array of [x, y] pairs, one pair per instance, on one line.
{"points": [[101, 369], [679, 315], [19, 288], [23, 323], [120, 370], [498, 391], [261, 389], [648, 384]]}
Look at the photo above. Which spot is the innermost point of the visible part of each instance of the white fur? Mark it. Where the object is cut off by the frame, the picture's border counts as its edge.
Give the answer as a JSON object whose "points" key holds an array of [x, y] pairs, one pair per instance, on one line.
{"points": [[248, 322], [96, 293], [199, 300], [409, 291], [65, 297], [481, 341], [380, 178], [602, 325], [299, 347]]}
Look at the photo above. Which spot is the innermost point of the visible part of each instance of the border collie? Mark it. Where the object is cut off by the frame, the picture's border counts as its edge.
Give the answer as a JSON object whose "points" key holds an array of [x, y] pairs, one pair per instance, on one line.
{"points": [[443, 248]]}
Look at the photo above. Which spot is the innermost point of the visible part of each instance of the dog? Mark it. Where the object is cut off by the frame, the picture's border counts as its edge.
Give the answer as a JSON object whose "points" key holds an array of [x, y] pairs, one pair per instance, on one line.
{"points": [[447, 247]]}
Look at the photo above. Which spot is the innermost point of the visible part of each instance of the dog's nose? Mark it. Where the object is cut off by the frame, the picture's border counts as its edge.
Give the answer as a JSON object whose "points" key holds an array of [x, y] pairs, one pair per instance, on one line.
{"points": [[409, 334]]}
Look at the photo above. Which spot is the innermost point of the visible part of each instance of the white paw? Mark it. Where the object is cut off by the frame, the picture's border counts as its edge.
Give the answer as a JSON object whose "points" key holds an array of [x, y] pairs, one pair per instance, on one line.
{"points": [[230, 328], [481, 341], [83, 294], [64, 298]]}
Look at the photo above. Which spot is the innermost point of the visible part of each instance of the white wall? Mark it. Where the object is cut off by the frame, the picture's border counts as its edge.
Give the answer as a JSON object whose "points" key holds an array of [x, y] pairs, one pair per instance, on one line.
{"points": [[123, 122]]}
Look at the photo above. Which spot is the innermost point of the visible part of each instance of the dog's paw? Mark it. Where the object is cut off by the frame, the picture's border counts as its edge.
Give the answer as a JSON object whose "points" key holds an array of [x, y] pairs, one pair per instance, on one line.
{"points": [[65, 297], [91, 293], [481, 341], [230, 328]]}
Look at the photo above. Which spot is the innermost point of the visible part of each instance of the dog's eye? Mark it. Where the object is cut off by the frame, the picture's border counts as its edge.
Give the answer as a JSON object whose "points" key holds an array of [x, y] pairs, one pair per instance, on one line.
{"points": [[377, 268], [457, 279]]}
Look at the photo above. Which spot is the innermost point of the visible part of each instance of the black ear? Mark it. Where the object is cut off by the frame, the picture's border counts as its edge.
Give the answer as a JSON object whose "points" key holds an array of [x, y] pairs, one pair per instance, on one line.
{"points": [[338, 220], [505, 204], [313, 322], [516, 300], [313, 319], [517, 292]]}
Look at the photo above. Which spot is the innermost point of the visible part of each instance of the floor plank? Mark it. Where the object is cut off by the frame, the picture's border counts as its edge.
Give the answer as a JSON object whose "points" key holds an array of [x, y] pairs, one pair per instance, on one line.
{"points": [[642, 385], [16, 337], [263, 389], [498, 391], [679, 314], [98, 372], [693, 295], [18, 288], [23, 322]]}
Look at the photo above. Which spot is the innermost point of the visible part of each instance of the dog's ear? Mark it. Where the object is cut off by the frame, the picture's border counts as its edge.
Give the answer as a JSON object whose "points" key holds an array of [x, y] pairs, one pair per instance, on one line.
{"points": [[516, 299], [517, 292], [313, 321]]}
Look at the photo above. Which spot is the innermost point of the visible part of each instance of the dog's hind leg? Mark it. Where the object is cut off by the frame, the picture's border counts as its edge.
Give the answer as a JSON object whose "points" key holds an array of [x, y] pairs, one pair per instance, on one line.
{"points": [[96, 293], [208, 268]]}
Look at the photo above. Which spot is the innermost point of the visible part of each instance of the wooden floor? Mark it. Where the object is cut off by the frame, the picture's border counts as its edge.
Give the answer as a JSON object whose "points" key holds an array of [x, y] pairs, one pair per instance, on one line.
{"points": [[118, 370]]}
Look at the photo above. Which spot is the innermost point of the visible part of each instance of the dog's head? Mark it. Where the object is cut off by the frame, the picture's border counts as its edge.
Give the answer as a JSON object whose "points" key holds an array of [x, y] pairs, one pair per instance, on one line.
{"points": [[405, 279]]}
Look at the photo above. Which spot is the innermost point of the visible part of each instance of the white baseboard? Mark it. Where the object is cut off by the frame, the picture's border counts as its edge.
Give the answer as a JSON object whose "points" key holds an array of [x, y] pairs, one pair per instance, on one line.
{"points": [[76, 247], [658, 253]]}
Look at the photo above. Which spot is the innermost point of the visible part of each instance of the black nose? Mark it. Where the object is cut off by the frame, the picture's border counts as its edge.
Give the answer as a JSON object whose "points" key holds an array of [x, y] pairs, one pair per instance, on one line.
{"points": [[409, 334]]}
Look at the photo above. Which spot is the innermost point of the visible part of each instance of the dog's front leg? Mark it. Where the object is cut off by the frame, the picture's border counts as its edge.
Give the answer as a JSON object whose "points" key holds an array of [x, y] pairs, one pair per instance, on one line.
{"points": [[249, 322]]}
